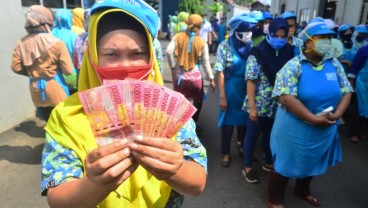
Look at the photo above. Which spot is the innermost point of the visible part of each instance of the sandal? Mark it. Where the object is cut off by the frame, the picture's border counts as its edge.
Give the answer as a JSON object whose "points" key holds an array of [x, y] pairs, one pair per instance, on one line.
{"points": [[311, 200], [354, 139], [225, 163]]}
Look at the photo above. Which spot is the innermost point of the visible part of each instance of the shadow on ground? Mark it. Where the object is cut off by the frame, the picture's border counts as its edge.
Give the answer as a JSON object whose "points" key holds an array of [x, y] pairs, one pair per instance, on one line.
{"points": [[21, 154], [31, 128]]}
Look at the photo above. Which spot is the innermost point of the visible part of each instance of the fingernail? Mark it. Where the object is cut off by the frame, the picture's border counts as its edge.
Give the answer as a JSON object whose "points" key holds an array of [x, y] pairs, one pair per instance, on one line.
{"points": [[139, 138], [134, 145], [123, 141], [127, 151], [134, 153]]}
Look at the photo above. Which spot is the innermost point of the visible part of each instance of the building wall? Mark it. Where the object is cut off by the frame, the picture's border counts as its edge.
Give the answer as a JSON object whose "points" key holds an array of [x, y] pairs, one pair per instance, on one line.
{"points": [[347, 11], [16, 104]]}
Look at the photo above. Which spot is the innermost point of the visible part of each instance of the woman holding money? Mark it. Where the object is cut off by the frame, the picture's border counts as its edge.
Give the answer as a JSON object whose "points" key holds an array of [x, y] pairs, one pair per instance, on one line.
{"points": [[148, 172]]}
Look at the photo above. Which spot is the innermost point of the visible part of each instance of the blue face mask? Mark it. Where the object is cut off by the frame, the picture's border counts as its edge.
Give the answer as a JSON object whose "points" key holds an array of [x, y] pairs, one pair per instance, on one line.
{"points": [[276, 43]]}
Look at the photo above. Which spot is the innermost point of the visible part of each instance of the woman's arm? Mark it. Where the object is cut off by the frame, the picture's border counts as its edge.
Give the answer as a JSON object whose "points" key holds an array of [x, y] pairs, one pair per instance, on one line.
{"points": [[341, 107], [16, 64], [251, 91], [295, 106], [106, 168], [221, 83], [207, 66], [164, 159], [170, 53]]}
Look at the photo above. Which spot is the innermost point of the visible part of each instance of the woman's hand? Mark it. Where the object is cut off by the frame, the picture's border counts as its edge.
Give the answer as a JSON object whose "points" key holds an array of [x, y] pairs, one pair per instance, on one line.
{"points": [[223, 103], [213, 85], [324, 120], [110, 165], [162, 157], [253, 114]]}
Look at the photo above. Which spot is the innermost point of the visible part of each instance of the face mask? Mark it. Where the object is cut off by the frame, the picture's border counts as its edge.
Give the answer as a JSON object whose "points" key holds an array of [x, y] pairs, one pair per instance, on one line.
{"points": [[122, 72], [265, 28], [257, 32], [360, 38], [346, 37], [322, 47], [244, 37], [276, 43]]}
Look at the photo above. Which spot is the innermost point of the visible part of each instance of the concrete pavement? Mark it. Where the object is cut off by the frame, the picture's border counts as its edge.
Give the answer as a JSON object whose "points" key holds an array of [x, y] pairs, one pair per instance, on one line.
{"points": [[343, 186]]}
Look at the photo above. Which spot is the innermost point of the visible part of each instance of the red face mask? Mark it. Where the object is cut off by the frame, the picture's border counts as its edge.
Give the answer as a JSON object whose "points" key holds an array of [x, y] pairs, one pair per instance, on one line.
{"points": [[122, 72]]}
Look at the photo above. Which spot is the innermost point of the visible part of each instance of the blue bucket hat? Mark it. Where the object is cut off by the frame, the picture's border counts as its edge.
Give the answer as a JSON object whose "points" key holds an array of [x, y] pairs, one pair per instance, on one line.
{"points": [[288, 15], [317, 19], [361, 29], [315, 28], [137, 8], [237, 20], [257, 15], [344, 27]]}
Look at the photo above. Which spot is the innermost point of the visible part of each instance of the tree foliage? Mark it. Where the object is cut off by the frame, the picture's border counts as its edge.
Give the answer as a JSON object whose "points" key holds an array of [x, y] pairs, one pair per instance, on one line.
{"points": [[191, 6]]}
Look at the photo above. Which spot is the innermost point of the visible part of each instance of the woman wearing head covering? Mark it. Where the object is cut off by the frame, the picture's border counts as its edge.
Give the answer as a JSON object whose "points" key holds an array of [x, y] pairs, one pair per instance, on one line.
{"points": [[181, 26], [81, 42], [149, 172], [359, 37], [62, 30], [257, 32], [190, 49], [43, 58], [345, 34], [314, 93], [264, 62], [230, 63], [292, 39], [78, 21]]}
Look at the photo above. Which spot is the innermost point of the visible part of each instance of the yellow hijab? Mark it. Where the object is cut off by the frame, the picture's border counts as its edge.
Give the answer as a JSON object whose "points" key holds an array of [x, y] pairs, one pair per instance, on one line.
{"points": [[78, 20], [69, 126]]}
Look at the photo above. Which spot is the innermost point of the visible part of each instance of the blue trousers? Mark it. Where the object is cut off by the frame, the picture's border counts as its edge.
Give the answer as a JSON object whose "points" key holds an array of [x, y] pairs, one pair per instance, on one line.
{"points": [[253, 131], [227, 133]]}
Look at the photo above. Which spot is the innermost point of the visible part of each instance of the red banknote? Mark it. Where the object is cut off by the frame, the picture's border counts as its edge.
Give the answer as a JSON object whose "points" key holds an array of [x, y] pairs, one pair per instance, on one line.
{"points": [[126, 108]]}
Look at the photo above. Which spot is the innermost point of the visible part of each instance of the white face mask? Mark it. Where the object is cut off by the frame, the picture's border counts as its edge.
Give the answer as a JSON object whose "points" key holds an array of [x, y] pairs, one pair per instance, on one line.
{"points": [[244, 37], [265, 28]]}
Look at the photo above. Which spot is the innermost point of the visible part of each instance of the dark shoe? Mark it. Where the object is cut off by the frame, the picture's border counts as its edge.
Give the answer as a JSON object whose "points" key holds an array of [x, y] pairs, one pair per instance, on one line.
{"points": [[238, 144], [225, 163], [241, 152], [267, 168], [251, 176], [354, 139], [311, 200]]}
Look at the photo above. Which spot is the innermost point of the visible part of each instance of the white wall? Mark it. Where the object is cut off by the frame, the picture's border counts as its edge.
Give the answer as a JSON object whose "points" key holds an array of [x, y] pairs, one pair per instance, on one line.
{"points": [[16, 104], [351, 14]]}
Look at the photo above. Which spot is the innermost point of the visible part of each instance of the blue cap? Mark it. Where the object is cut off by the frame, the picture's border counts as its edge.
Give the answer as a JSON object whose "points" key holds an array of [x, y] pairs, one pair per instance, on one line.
{"points": [[238, 19], [344, 27], [287, 15], [317, 19], [267, 15], [257, 15], [137, 8], [315, 28], [361, 29]]}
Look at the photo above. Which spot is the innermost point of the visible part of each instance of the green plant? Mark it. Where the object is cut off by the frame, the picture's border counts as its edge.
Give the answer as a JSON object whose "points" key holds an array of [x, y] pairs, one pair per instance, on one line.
{"points": [[191, 6]]}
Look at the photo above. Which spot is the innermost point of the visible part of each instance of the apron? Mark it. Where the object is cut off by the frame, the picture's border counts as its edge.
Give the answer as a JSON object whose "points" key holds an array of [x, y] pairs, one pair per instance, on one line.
{"points": [[235, 93], [362, 91], [300, 149]]}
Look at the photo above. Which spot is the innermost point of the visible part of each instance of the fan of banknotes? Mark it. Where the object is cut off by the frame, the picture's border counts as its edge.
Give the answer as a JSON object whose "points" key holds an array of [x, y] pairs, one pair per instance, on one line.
{"points": [[126, 108]]}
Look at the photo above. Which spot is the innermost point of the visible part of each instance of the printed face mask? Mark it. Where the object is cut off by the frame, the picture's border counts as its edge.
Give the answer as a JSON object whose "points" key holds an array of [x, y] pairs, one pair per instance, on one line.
{"points": [[276, 43], [244, 37]]}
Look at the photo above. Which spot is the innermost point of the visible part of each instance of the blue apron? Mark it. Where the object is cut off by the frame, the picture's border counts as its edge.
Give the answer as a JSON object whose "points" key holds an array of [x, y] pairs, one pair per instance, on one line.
{"points": [[349, 56], [235, 93], [362, 90], [300, 149]]}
